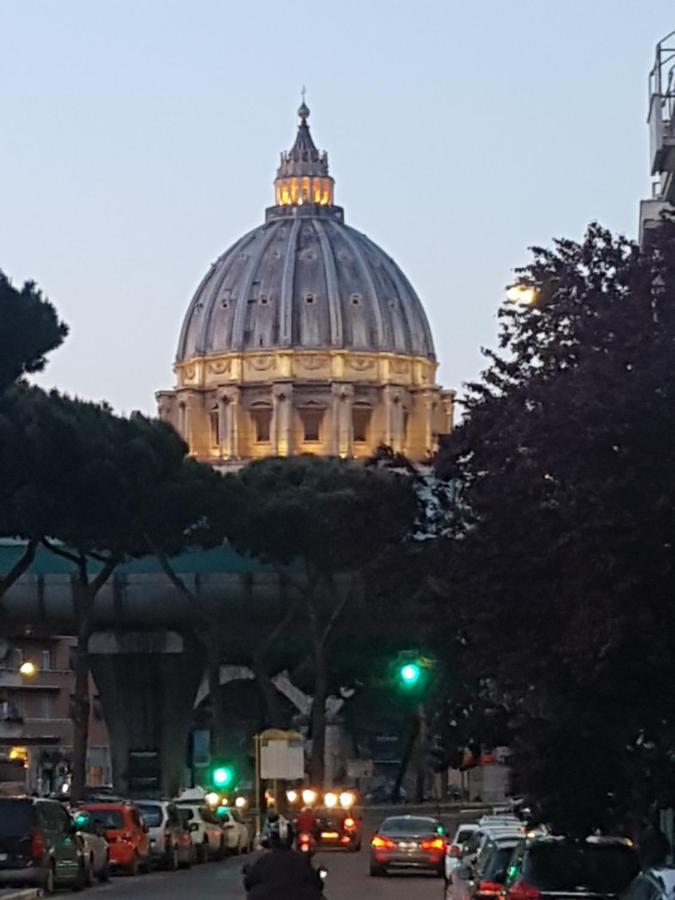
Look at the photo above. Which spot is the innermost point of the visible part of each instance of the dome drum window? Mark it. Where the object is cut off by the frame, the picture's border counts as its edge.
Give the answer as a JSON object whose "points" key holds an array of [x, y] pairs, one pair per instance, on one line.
{"points": [[312, 418], [356, 299], [214, 427], [261, 417], [361, 416]]}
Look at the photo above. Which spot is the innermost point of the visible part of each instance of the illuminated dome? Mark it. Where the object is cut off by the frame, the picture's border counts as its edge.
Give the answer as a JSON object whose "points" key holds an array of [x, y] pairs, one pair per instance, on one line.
{"points": [[305, 336], [304, 279]]}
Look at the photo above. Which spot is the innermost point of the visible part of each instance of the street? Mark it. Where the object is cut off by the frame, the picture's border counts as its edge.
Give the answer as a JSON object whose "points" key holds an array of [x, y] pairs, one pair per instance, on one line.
{"points": [[348, 877]]}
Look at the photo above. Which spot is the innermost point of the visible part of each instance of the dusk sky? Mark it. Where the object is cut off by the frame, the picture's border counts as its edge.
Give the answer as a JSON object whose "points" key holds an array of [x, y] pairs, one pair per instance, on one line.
{"points": [[140, 138]]}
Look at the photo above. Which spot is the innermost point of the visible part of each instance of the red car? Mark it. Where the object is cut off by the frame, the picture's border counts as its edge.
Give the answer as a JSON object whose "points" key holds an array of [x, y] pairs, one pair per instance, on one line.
{"points": [[126, 833]]}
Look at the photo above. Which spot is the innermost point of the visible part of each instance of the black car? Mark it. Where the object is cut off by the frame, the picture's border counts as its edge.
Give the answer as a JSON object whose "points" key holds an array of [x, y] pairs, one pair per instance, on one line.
{"points": [[550, 867], [39, 845]]}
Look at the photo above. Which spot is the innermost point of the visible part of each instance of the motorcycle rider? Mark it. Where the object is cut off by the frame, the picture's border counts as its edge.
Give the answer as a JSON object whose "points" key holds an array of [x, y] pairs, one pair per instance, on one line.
{"points": [[306, 821], [282, 872]]}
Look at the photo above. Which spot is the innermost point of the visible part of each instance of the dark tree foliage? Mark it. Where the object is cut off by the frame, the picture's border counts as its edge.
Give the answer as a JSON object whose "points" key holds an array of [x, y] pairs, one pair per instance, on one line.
{"points": [[29, 329], [564, 569], [322, 523]]}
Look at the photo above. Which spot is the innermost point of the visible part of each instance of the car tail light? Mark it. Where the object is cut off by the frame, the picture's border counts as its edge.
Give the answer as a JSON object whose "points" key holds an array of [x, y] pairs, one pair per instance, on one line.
{"points": [[523, 891], [37, 848], [455, 849], [489, 888], [434, 844], [380, 843]]}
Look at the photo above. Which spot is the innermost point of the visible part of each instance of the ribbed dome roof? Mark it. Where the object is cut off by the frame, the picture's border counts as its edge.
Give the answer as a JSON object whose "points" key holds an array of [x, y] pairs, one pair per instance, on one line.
{"points": [[305, 280]]}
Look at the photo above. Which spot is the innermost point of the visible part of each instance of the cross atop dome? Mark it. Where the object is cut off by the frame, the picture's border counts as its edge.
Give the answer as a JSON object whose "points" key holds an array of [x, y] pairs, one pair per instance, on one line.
{"points": [[302, 176]]}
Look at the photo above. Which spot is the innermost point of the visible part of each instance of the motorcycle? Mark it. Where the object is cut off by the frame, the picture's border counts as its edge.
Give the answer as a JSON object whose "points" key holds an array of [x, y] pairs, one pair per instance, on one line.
{"points": [[321, 874], [306, 843]]}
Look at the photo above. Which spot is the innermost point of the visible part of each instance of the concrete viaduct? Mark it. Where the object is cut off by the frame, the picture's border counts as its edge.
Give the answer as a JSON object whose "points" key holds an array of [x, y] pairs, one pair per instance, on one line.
{"points": [[145, 659]]}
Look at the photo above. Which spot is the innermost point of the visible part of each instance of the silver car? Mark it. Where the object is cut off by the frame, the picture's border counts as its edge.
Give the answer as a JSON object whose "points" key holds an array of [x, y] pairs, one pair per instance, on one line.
{"points": [[96, 853]]}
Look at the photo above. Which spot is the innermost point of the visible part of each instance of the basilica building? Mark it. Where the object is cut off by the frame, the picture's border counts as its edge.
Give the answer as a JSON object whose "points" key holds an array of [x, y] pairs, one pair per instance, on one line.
{"points": [[305, 337]]}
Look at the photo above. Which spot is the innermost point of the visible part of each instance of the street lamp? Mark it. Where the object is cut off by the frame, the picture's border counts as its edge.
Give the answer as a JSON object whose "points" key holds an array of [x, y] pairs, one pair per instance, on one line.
{"points": [[521, 294], [28, 669]]}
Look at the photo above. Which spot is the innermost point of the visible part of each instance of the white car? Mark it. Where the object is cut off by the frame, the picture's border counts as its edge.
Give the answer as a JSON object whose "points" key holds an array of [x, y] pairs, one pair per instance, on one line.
{"points": [[170, 843], [96, 853], [454, 849], [205, 830], [238, 836]]}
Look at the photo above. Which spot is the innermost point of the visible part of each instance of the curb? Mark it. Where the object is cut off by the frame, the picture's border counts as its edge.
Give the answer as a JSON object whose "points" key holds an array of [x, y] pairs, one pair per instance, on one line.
{"points": [[29, 894]]}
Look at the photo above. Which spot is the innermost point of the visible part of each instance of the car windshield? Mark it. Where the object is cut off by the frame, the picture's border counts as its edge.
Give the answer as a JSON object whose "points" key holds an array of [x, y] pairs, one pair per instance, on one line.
{"points": [[16, 818], [497, 861], [152, 814], [606, 869], [109, 819], [410, 825]]}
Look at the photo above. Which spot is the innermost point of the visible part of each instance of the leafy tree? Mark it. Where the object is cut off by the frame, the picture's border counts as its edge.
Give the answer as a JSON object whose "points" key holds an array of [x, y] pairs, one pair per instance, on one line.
{"points": [[29, 329], [564, 569], [322, 523]]}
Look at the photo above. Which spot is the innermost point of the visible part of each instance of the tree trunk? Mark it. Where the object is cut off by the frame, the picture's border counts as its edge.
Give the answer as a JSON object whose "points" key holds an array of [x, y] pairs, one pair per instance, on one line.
{"points": [[80, 715], [318, 718], [218, 734], [274, 717], [421, 772], [405, 761]]}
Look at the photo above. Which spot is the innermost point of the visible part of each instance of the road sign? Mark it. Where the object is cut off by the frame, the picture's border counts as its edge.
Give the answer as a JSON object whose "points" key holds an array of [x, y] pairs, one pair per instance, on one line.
{"points": [[360, 768]]}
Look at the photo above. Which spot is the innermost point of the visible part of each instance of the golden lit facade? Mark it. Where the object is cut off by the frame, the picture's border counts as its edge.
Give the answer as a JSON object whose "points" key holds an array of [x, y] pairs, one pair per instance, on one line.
{"points": [[305, 337]]}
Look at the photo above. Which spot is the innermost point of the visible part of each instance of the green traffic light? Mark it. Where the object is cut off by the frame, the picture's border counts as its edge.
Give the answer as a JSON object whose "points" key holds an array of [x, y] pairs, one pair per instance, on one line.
{"points": [[410, 674], [223, 776]]}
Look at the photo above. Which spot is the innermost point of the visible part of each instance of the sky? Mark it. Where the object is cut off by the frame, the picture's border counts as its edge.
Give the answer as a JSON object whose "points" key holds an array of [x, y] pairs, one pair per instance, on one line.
{"points": [[140, 138]]}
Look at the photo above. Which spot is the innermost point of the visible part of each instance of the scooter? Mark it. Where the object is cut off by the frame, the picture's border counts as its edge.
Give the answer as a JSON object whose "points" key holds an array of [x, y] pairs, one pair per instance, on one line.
{"points": [[306, 843]]}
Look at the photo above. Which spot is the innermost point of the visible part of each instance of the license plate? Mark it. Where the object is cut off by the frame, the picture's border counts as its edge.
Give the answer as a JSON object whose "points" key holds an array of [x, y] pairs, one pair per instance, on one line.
{"points": [[329, 835], [408, 846], [4, 857]]}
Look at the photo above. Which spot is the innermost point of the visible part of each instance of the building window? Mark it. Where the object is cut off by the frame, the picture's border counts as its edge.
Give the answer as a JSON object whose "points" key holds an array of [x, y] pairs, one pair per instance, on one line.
{"points": [[214, 422], [47, 663], [262, 422], [182, 420], [311, 422], [310, 298], [361, 422], [356, 299]]}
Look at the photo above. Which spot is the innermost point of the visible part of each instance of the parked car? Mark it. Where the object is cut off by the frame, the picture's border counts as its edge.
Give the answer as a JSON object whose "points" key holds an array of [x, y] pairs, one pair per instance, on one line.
{"points": [[39, 845], [126, 833], [485, 879], [454, 849], [408, 842], [554, 867], [95, 848], [205, 830], [170, 842], [238, 836]]}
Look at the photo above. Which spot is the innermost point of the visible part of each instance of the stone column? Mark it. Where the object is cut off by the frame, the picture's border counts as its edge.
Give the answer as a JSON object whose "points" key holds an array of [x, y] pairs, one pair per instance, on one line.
{"points": [[228, 408], [282, 419], [147, 682], [342, 426], [448, 403]]}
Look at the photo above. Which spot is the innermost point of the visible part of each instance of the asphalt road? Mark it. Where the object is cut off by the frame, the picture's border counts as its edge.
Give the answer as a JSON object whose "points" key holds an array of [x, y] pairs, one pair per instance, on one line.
{"points": [[348, 878]]}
